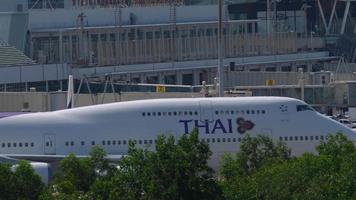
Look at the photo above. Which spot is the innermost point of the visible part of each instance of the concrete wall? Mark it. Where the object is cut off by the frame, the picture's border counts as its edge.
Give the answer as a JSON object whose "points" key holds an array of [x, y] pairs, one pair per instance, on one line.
{"points": [[14, 102], [39, 102], [33, 73]]}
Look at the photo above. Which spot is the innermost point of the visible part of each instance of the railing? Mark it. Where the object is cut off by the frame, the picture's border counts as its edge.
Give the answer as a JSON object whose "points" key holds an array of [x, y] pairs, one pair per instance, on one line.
{"points": [[125, 3]]}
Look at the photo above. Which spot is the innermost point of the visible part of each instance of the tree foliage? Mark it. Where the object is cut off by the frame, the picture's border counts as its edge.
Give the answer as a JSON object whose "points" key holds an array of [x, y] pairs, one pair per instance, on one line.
{"points": [[19, 182], [330, 174], [177, 169]]}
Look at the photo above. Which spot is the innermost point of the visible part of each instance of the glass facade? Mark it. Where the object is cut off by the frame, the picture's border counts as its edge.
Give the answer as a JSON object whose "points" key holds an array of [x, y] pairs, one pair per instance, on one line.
{"points": [[41, 4]]}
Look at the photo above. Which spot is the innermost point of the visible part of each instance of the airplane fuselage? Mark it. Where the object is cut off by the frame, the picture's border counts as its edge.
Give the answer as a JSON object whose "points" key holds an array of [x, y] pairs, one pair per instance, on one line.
{"points": [[222, 122]]}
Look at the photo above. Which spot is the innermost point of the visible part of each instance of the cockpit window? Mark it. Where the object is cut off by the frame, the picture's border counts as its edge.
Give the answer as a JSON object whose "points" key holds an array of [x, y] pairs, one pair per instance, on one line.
{"points": [[301, 108]]}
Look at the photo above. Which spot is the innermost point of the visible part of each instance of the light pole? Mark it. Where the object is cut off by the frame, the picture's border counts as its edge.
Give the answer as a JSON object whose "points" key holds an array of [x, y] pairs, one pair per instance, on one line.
{"points": [[220, 50]]}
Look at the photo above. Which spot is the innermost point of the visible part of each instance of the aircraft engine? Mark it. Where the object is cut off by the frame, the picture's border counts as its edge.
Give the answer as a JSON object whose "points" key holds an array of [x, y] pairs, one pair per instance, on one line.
{"points": [[44, 170]]}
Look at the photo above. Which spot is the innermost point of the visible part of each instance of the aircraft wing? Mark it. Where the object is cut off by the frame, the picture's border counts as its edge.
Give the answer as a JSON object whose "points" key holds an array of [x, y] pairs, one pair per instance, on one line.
{"points": [[48, 158]]}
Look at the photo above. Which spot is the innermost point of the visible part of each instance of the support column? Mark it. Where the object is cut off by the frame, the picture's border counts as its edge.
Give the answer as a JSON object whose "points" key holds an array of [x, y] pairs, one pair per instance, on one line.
{"points": [[90, 49], [179, 78], [70, 48], [322, 15], [196, 77], [342, 31], [60, 47], [142, 78], [309, 67], [331, 17], [161, 78]]}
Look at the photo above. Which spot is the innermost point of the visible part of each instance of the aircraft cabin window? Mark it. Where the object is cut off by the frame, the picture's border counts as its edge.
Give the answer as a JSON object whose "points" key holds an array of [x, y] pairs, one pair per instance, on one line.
{"points": [[145, 142], [263, 112], [140, 142], [223, 140], [71, 143], [151, 141], [286, 138], [213, 140], [291, 138], [316, 138], [196, 113], [228, 139], [47, 144], [8, 144], [3, 145], [164, 113], [253, 112], [154, 114], [218, 140], [67, 144], [306, 138], [119, 142], [301, 108], [109, 142], [232, 112], [280, 138], [207, 140], [216, 112], [20, 144], [258, 112], [233, 139], [242, 112], [82, 143], [202, 140], [296, 138], [321, 137], [143, 114], [148, 114], [180, 113], [221, 112], [248, 112], [103, 142], [185, 113], [26, 144], [159, 113], [92, 143], [15, 144], [190, 113], [169, 113], [174, 113], [113, 142], [226, 112], [33, 144], [301, 137]]}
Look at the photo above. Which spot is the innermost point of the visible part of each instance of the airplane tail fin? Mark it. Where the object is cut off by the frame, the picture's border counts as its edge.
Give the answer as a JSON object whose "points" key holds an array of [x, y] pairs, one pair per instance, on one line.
{"points": [[70, 94]]}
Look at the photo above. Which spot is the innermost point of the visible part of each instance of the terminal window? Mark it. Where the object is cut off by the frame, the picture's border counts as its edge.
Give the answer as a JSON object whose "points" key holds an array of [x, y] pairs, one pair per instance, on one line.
{"points": [[41, 4]]}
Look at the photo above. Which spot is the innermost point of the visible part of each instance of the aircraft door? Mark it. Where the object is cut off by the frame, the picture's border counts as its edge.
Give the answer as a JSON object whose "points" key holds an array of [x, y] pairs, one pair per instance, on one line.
{"points": [[206, 111], [49, 144]]}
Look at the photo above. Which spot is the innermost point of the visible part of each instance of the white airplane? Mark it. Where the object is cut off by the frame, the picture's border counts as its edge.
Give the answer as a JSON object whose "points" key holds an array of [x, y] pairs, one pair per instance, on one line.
{"points": [[222, 123]]}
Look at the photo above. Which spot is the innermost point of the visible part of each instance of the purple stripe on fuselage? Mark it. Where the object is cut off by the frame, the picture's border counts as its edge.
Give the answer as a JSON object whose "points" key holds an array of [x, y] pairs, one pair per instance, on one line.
{"points": [[9, 114]]}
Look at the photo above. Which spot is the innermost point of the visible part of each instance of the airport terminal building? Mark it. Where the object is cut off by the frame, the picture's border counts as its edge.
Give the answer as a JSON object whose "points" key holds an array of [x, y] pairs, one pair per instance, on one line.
{"points": [[173, 42]]}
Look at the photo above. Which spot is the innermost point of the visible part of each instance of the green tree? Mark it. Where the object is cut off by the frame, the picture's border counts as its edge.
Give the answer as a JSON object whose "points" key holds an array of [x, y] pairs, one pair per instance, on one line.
{"points": [[74, 174], [7, 180], [176, 170], [28, 185], [330, 174], [237, 171]]}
